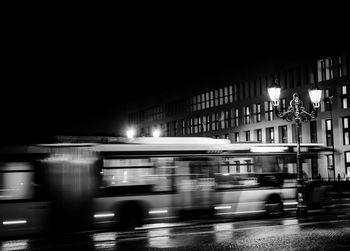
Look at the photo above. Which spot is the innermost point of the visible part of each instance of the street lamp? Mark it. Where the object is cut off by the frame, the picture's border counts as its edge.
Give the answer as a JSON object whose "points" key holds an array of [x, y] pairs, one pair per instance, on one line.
{"points": [[297, 112]]}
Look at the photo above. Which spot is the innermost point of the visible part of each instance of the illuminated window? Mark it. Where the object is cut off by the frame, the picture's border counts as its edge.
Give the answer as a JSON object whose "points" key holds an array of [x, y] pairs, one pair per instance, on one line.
{"points": [[213, 124], [257, 112], [183, 127], [236, 136], [230, 94], [195, 125], [270, 136], [199, 102], [208, 122], [347, 162], [222, 120], [246, 115], [175, 127], [345, 96], [227, 119], [216, 95], [329, 134], [226, 98], [269, 110], [211, 99], [346, 130], [329, 64], [234, 117], [258, 135], [217, 121], [221, 96], [207, 100]]}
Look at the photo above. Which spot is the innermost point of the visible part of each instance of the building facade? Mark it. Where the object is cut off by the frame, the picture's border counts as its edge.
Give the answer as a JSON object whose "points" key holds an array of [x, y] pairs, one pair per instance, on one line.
{"points": [[242, 112]]}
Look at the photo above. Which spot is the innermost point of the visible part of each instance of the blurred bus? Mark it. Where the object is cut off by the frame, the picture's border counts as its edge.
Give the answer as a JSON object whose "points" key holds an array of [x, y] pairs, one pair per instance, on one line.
{"points": [[69, 187]]}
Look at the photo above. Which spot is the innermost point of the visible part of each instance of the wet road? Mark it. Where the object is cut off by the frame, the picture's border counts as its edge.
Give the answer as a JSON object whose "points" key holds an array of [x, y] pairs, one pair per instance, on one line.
{"points": [[319, 232]]}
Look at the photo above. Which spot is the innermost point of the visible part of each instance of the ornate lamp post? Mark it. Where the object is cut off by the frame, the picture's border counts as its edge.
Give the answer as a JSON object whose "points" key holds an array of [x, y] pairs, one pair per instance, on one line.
{"points": [[297, 112]]}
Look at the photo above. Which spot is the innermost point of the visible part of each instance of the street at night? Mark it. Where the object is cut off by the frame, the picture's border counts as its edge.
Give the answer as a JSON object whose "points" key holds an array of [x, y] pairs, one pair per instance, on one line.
{"points": [[326, 231]]}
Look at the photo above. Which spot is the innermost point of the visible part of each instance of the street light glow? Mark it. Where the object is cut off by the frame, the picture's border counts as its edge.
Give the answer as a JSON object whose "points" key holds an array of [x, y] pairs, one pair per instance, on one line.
{"points": [[156, 133], [130, 133], [315, 96]]}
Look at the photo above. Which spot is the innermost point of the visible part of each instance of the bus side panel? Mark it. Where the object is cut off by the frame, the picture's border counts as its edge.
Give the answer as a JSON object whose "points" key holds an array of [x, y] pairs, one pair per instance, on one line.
{"points": [[23, 218]]}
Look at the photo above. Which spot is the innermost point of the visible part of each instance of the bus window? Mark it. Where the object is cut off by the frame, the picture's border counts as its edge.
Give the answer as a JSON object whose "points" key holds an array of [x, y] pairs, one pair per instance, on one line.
{"points": [[16, 179]]}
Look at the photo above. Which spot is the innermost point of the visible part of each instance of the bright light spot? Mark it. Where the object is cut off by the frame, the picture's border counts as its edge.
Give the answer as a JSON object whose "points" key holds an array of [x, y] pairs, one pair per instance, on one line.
{"points": [[158, 212], [222, 207], [15, 245], [268, 149], [290, 203], [105, 215], [130, 133], [289, 222], [104, 236], [13, 222], [226, 174], [156, 133]]}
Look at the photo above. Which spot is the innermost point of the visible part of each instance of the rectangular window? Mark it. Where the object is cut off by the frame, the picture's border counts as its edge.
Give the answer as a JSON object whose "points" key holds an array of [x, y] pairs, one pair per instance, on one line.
{"points": [[247, 136], [227, 119], [346, 130], [313, 131], [329, 134], [327, 99], [221, 93], [183, 127], [257, 112], [283, 105], [204, 123], [258, 135], [246, 115], [217, 121], [222, 120], [283, 137], [203, 101], [347, 162], [321, 70], [270, 137], [216, 95], [207, 100], [269, 110], [234, 117], [208, 122], [230, 94], [225, 95], [235, 92], [213, 124], [198, 102], [345, 96], [211, 99], [236, 136]]}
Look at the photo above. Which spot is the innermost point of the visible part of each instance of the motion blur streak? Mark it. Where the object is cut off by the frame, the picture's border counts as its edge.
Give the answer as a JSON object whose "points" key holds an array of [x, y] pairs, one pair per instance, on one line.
{"points": [[15, 245]]}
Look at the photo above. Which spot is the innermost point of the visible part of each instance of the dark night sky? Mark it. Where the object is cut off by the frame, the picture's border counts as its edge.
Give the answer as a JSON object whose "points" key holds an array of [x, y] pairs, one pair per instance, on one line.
{"points": [[75, 77]]}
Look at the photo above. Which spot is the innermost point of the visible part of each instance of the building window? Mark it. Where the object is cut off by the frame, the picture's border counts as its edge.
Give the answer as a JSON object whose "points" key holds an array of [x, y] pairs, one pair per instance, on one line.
{"points": [[216, 97], [226, 95], [213, 124], [183, 127], [257, 112], [345, 96], [327, 97], [270, 135], [283, 137], [283, 105], [227, 119], [329, 135], [346, 130], [217, 121], [211, 99], [222, 120], [247, 136], [258, 135], [235, 92], [234, 117], [330, 166], [321, 70], [208, 122], [329, 64], [236, 136], [347, 162], [230, 94], [246, 115], [269, 110], [221, 95], [313, 131]]}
